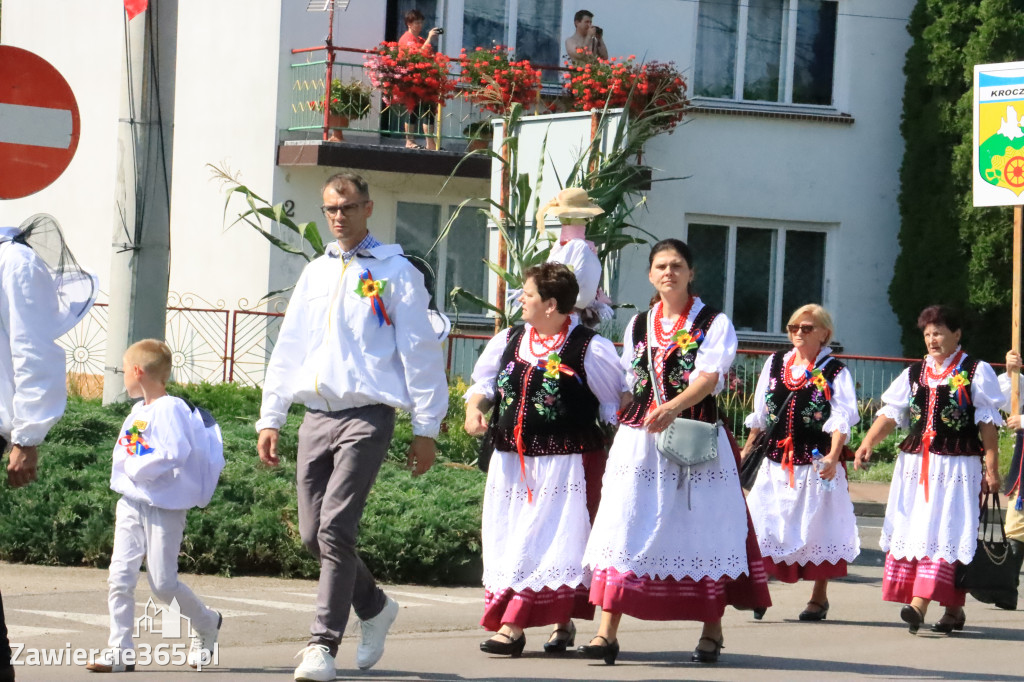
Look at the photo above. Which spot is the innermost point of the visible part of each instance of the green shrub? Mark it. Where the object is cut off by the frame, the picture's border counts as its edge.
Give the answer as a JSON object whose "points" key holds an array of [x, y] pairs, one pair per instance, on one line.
{"points": [[424, 530]]}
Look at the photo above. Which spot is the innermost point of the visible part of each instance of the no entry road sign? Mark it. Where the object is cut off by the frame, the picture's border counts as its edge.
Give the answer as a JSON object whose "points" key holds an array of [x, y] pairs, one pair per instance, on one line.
{"points": [[39, 123]]}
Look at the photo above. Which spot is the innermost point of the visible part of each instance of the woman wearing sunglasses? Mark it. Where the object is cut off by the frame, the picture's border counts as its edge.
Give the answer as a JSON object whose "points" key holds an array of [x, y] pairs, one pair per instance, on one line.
{"points": [[804, 405], [949, 458]]}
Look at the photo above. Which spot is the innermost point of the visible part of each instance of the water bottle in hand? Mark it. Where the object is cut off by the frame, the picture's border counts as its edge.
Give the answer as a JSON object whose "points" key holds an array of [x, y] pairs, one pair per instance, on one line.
{"points": [[819, 464]]}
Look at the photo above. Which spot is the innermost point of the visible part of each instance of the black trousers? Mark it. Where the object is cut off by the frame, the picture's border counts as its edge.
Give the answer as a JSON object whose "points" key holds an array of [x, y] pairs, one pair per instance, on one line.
{"points": [[5, 644]]}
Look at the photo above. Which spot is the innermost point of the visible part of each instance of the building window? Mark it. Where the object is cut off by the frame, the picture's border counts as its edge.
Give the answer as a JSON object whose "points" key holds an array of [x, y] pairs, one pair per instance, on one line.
{"points": [[766, 50], [758, 275], [535, 30], [458, 260]]}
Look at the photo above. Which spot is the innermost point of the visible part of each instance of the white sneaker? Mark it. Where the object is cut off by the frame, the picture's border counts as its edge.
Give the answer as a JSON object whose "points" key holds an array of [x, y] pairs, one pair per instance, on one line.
{"points": [[112, 661], [200, 653], [375, 631], [317, 664]]}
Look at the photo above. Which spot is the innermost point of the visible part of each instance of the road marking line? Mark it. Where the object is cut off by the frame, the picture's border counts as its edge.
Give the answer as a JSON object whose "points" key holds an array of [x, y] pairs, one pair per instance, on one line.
{"points": [[21, 633], [95, 619], [36, 126], [280, 605], [443, 599], [234, 613], [308, 595]]}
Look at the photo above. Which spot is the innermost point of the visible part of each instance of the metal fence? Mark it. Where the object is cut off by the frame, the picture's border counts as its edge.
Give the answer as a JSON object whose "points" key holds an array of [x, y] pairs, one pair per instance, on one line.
{"points": [[213, 344], [457, 115]]}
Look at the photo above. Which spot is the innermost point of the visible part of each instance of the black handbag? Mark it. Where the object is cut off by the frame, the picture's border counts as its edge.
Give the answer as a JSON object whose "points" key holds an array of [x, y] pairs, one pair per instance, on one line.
{"points": [[992, 575], [751, 464]]}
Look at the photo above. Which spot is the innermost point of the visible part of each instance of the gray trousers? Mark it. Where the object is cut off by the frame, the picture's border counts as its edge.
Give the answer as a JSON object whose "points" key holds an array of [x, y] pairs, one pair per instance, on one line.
{"points": [[340, 454]]}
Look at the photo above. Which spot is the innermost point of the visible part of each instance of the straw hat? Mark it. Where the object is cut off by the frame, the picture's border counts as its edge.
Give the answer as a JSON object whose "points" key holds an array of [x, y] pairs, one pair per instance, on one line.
{"points": [[571, 202]]}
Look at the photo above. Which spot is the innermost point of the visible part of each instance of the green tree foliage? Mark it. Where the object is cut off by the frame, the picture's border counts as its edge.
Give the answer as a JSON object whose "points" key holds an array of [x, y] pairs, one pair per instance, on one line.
{"points": [[951, 252]]}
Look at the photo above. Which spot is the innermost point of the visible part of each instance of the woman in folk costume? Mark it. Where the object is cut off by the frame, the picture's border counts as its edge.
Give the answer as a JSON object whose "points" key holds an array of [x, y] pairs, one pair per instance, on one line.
{"points": [[806, 400], [550, 381], [573, 208], [672, 542], [950, 457]]}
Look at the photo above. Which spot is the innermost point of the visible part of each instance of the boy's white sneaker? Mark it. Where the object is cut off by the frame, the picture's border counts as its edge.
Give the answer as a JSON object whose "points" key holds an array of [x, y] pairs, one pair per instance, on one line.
{"points": [[200, 653], [317, 664], [375, 631], [111, 661]]}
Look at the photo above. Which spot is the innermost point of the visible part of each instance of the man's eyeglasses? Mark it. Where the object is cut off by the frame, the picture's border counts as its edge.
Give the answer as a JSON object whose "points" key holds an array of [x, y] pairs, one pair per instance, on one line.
{"points": [[347, 210], [802, 328]]}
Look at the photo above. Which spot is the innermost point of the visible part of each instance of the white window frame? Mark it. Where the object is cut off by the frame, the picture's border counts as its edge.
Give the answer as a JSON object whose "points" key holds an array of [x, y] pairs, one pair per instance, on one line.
{"points": [[445, 210], [781, 228], [790, 9]]}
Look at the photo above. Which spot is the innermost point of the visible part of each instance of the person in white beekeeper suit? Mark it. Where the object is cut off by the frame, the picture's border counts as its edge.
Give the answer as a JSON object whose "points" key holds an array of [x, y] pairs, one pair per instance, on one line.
{"points": [[43, 293]]}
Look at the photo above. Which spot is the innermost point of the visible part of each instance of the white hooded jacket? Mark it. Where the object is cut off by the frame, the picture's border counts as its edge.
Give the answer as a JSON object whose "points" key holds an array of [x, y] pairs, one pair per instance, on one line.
{"points": [[33, 393]]}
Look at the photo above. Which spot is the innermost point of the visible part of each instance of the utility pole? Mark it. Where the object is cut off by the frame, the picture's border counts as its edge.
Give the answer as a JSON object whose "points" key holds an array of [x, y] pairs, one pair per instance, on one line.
{"points": [[139, 265]]}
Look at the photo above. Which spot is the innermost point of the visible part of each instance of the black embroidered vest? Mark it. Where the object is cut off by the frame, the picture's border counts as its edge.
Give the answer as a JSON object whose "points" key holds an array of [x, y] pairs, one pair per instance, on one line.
{"points": [[955, 430], [559, 415], [809, 407], [676, 376]]}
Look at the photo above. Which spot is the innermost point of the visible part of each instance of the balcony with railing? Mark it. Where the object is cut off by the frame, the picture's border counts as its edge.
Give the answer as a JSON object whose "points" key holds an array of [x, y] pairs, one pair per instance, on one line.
{"points": [[378, 140]]}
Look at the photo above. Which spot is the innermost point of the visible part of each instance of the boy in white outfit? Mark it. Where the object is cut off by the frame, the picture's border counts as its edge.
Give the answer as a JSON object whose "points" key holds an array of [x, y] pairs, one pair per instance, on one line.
{"points": [[164, 463]]}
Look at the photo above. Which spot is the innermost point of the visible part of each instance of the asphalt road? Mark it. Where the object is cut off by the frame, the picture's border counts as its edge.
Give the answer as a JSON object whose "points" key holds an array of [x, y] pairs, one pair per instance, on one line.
{"points": [[436, 635]]}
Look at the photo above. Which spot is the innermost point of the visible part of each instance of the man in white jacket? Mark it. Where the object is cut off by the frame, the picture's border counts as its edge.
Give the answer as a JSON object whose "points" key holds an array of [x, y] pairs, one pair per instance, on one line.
{"points": [[356, 343], [32, 384]]}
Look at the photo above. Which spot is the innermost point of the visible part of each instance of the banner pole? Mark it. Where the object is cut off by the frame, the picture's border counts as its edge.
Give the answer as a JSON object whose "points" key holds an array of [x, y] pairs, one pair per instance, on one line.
{"points": [[1015, 341]]}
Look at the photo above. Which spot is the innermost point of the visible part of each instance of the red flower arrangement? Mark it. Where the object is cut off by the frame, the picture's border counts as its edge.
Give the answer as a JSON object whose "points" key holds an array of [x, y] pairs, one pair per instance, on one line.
{"points": [[662, 97], [410, 77], [494, 81], [654, 90], [598, 82]]}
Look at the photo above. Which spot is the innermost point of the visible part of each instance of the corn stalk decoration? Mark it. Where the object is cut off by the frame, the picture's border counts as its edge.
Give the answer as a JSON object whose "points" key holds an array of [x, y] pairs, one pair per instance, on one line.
{"points": [[613, 176]]}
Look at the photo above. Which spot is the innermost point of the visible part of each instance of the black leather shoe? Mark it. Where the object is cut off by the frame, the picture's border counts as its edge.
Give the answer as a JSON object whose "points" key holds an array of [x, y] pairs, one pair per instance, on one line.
{"points": [[820, 614], [704, 656], [947, 623], [608, 651], [560, 640], [759, 612], [508, 647], [913, 617]]}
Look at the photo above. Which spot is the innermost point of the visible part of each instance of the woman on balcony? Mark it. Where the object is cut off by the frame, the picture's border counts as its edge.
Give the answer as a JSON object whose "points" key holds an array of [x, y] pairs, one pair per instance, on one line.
{"points": [[805, 404], [549, 380], [672, 542], [412, 40], [931, 520]]}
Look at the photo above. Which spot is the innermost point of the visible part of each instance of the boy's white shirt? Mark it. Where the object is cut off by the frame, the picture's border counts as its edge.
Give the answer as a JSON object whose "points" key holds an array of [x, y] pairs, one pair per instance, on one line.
{"points": [[33, 394], [332, 354], [176, 474]]}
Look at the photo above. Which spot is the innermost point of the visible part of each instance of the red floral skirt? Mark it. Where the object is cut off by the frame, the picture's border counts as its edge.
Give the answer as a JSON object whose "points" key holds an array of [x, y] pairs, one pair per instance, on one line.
{"points": [[791, 573], [529, 609], [905, 579]]}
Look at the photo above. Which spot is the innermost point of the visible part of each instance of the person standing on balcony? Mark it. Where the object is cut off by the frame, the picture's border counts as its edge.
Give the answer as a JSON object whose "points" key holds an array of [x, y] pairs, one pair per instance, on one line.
{"points": [[950, 458], [803, 516], [411, 40], [588, 40], [549, 381], [673, 542], [356, 343]]}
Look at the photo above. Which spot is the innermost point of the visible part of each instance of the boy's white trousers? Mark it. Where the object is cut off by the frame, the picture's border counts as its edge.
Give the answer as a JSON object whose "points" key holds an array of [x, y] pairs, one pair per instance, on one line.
{"points": [[143, 531]]}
